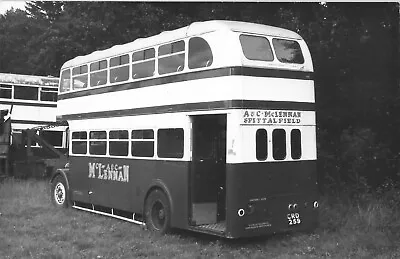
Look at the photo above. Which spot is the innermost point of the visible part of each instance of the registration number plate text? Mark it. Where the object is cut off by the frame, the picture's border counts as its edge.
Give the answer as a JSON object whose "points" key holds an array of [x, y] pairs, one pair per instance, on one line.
{"points": [[293, 219]]}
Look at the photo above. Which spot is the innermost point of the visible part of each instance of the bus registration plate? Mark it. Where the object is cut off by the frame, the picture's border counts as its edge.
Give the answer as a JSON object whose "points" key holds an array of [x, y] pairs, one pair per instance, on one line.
{"points": [[293, 219]]}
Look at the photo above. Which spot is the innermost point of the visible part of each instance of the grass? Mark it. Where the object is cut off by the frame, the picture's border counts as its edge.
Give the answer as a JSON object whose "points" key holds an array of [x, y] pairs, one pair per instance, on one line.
{"points": [[30, 227]]}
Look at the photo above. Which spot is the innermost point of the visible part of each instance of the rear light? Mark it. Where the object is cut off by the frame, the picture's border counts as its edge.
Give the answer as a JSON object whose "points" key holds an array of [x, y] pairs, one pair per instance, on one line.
{"points": [[316, 205], [293, 207]]}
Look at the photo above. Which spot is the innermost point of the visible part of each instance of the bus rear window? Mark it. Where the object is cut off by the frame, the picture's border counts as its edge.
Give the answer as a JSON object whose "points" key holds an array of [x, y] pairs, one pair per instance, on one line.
{"points": [[295, 143], [288, 51], [261, 144], [256, 48], [279, 144]]}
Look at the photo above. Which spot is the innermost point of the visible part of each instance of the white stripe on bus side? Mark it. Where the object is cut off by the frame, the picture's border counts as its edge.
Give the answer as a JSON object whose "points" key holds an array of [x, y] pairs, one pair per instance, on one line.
{"points": [[203, 90]]}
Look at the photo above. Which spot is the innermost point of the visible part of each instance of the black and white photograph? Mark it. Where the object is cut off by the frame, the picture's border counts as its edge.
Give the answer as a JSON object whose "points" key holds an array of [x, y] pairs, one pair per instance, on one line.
{"points": [[199, 129]]}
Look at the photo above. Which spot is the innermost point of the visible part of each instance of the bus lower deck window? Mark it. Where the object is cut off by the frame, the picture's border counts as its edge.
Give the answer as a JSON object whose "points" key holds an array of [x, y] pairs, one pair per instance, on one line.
{"points": [[170, 143], [142, 148], [142, 143], [79, 142], [118, 144], [97, 143]]}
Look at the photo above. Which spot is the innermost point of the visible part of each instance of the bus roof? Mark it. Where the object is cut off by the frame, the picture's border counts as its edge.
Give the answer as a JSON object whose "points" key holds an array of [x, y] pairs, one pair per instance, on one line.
{"points": [[193, 29], [6, 78]]}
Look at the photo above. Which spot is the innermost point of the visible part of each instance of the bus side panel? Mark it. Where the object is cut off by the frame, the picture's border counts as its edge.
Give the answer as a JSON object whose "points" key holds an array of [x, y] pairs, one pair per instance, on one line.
{"points": [[109, 187], [264, 192], [79, 183], [175, 176]]}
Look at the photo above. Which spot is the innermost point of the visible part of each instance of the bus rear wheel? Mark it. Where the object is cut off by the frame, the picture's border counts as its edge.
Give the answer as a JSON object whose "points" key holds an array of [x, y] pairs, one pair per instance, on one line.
{"points": [[59, 192], [158, 212]]}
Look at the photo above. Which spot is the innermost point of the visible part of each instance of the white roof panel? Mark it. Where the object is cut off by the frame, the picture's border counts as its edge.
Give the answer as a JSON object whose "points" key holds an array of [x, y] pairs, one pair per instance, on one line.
{"points": [[193, 29], [6, 78]]}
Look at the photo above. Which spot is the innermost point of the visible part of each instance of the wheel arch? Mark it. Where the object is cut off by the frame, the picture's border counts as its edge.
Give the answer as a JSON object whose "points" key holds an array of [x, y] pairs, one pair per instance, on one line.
{"points": [[63, 173], [158, 184]]}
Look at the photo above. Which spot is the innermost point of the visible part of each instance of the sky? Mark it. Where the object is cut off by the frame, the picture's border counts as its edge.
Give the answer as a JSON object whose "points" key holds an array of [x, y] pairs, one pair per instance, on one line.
{"points": [[7, 4]]}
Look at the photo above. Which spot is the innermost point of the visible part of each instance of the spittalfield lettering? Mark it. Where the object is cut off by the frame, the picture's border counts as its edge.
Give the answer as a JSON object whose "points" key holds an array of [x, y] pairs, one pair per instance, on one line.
{"points": [[271, 117]]}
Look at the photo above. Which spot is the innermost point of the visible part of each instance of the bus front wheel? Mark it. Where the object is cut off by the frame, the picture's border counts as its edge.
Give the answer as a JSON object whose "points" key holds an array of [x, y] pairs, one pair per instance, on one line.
{"points": [[158, 212], [59, 192]]}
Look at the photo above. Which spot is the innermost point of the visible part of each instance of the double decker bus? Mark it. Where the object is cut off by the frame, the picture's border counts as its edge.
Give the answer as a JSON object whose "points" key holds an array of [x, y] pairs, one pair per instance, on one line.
{"points": [[31, 102], [210, 128]]}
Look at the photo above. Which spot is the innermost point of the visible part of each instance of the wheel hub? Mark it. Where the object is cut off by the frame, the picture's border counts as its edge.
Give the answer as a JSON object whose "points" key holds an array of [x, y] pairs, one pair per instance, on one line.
{"points": [[59, 193]]}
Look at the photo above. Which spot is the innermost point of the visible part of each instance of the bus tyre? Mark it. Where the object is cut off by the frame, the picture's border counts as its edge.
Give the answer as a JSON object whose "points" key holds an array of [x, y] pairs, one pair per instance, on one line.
{"points": [[59, 192], [158, 212]]}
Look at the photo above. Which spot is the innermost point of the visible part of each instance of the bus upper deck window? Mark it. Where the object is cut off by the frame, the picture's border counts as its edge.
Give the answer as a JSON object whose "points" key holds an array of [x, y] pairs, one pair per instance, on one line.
{"points": [[288, 51], [26, 92], [256, 48], [171, 57], [65, 82], [200, 54], [143, 63], [48, 94], [80, 77], [98, 73], [119, 68], [6, 91]]}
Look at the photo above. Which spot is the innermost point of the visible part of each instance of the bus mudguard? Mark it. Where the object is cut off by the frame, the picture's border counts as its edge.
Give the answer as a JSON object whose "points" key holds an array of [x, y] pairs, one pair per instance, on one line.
{"points": [[158, 183], [64, 173]]}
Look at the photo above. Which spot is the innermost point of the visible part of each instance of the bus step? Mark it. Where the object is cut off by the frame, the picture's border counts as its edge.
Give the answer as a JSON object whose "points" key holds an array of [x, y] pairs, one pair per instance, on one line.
{"points": [[132, 219], [216, 227]]}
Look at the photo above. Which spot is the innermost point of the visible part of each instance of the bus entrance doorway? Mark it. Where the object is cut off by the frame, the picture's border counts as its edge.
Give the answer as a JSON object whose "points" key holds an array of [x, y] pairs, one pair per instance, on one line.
{"points": [[208, 172]]}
